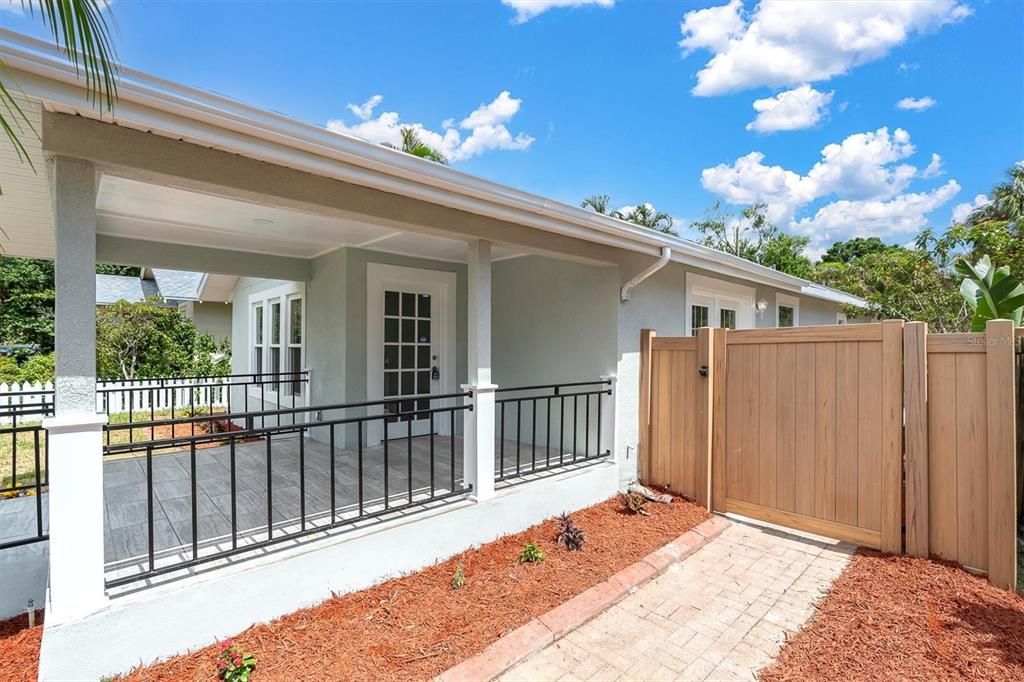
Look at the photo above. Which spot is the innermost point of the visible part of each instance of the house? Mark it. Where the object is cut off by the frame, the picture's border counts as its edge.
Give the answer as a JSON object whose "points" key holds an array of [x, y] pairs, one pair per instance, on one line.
{"points": [[201, 297], [424, 359]]}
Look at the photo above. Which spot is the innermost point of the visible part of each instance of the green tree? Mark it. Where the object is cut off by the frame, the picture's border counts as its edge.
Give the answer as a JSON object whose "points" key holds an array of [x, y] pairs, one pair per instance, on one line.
{"points": [[751, 235], [26, 301], [643, 214], [1007, 200], [851, 249], [901, 283], [80, 27], [413, 144], [138, 340], [124, 270], [992, 293]]}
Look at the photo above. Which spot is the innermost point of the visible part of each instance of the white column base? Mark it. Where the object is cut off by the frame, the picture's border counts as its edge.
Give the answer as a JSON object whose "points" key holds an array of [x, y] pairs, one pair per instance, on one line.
{"points": [[76, 586], [478, 442]]}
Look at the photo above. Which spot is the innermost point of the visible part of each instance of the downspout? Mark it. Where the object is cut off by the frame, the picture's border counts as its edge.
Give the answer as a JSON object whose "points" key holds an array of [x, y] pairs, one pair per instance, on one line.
{"points": [[666, 255]]}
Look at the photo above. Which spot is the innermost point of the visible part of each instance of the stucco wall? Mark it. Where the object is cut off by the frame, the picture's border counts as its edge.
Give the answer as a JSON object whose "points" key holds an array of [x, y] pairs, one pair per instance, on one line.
{"points": [[210, 317]]}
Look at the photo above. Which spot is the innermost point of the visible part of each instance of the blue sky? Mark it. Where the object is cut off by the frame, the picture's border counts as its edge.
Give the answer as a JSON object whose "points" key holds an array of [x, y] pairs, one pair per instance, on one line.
{"points": [[600, 97]]}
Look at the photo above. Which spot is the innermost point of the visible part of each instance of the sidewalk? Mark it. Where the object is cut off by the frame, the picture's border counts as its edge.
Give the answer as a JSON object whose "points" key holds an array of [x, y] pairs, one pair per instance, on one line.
{"points": [[722, 614]]}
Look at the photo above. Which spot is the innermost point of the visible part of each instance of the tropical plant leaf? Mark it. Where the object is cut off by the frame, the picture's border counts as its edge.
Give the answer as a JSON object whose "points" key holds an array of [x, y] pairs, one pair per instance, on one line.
{"points": [[992, 293]]}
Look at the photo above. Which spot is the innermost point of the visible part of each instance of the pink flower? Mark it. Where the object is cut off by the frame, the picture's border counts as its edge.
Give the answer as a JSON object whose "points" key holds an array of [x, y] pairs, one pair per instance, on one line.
{"points": [[221, 664], [228, 643], [237, 659]]}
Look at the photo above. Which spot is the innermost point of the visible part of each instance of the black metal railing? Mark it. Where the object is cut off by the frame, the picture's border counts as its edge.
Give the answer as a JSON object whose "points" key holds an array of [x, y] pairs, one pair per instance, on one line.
{"points": [[215, 495], [155, 400], [24, 471], [543, 427]]}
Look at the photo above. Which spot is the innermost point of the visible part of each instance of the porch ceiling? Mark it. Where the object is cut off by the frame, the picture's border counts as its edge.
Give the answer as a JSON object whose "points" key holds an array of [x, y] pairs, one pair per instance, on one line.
{"points": [[140, 210]]}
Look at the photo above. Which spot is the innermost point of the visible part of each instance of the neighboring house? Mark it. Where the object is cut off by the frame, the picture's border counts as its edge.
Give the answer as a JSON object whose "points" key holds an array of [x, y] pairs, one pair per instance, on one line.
{"points": [[417, 296], [201, 297]]}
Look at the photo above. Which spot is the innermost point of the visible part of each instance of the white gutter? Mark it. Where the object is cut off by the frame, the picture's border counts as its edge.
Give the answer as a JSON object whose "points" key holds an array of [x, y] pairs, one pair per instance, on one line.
{"points": [[666, 256], [155, 105]]}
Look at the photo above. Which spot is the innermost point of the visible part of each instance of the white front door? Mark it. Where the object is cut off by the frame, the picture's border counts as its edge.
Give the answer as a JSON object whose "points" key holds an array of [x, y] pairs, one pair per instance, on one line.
{"points": [[410, 347], [717, 303]]}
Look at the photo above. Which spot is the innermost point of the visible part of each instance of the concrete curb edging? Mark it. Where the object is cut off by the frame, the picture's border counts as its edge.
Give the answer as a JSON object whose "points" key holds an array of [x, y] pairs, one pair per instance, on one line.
{"points": [[563, 619]]}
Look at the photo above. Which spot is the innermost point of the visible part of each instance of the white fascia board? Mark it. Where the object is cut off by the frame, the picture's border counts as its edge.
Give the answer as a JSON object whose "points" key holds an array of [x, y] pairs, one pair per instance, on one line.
{"points": [[152, 104]]}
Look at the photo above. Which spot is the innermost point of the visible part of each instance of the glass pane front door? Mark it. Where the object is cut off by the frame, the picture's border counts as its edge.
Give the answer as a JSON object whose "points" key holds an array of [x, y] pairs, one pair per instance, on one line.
{"points": [[410, 362]]}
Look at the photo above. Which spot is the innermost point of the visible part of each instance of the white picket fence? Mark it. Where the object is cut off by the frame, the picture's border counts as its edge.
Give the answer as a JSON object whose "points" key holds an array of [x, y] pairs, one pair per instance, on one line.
{"points": [[120, 397]]}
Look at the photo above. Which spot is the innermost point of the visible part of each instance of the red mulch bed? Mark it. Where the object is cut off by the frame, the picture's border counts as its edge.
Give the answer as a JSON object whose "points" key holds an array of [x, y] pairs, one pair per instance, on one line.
{"points": [[415, 627], [19, 648], [898, 618]]}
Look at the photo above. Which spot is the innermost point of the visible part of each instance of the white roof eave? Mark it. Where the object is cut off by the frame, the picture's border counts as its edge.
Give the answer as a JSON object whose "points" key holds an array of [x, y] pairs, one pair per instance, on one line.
{"points": [[149, 103]]}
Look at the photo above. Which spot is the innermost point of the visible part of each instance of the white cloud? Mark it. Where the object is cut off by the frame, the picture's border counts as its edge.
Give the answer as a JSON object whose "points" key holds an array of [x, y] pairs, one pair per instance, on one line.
{"points": [[790, 110], [901, 215], [365, 110], [528, 9], [961, 211], [784, 44], [916, 103], [865, 174], [934, 168], [484, 128], [908, 66]]}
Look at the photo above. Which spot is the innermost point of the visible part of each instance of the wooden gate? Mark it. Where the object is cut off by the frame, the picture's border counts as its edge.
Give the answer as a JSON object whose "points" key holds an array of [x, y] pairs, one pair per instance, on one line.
{"points": [[817, 428], [801, 427], [811, 435]]}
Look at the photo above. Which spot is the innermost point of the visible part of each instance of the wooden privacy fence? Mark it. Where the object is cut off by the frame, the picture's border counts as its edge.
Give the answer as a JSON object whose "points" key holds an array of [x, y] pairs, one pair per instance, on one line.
{"points": [[823, 428]]}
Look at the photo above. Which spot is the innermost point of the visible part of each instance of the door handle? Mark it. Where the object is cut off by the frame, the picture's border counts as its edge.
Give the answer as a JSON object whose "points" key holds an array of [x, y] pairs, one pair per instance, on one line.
{"points": [[435, 373]]}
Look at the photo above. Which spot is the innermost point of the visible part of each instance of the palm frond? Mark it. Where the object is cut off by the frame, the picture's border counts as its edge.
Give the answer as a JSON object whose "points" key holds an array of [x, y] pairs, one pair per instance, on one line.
{"points": [[81, 28]]}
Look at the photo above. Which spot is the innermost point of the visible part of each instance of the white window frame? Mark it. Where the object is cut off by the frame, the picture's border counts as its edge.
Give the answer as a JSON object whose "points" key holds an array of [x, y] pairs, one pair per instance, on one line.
{"points": [[283, 295], [841, 318], [718, 292], [790, 302]]}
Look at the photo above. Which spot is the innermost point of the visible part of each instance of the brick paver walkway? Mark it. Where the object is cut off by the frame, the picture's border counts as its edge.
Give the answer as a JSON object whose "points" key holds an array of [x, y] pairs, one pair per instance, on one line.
{"points": [[721, 614]]}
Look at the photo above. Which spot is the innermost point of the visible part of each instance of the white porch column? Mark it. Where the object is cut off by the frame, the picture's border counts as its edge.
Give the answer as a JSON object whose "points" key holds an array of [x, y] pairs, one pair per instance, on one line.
{"points": [[75, 432], [607, 407], [478, 439]]}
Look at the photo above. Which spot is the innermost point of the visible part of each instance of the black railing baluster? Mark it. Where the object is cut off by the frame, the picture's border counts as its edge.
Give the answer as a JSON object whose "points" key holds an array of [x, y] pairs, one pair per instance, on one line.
{"points": [[302, 479], [561, 432], [547, 434], [409, 453], [149, 506], [195, 504], [152, 414], [334, 505], [270, 492], [599, 409], [39, 491], [501, 448], [431, 455], [575, 424], [234, 500], [14, 450], [586, 437], [519, 432], [359, 431], [533, 436], [386, 463], [451, 436]]}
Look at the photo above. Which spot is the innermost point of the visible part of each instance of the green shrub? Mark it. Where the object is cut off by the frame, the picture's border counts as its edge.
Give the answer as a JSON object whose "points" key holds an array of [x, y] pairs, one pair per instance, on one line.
{"points": [[459, 579], [531, 553]]}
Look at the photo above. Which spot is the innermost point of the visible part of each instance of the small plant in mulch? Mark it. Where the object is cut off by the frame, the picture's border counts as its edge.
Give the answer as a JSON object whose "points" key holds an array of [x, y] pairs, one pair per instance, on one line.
{"points": [[634, 503], [531, 553], [234, 665], [459, 579], [569, 535]]}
